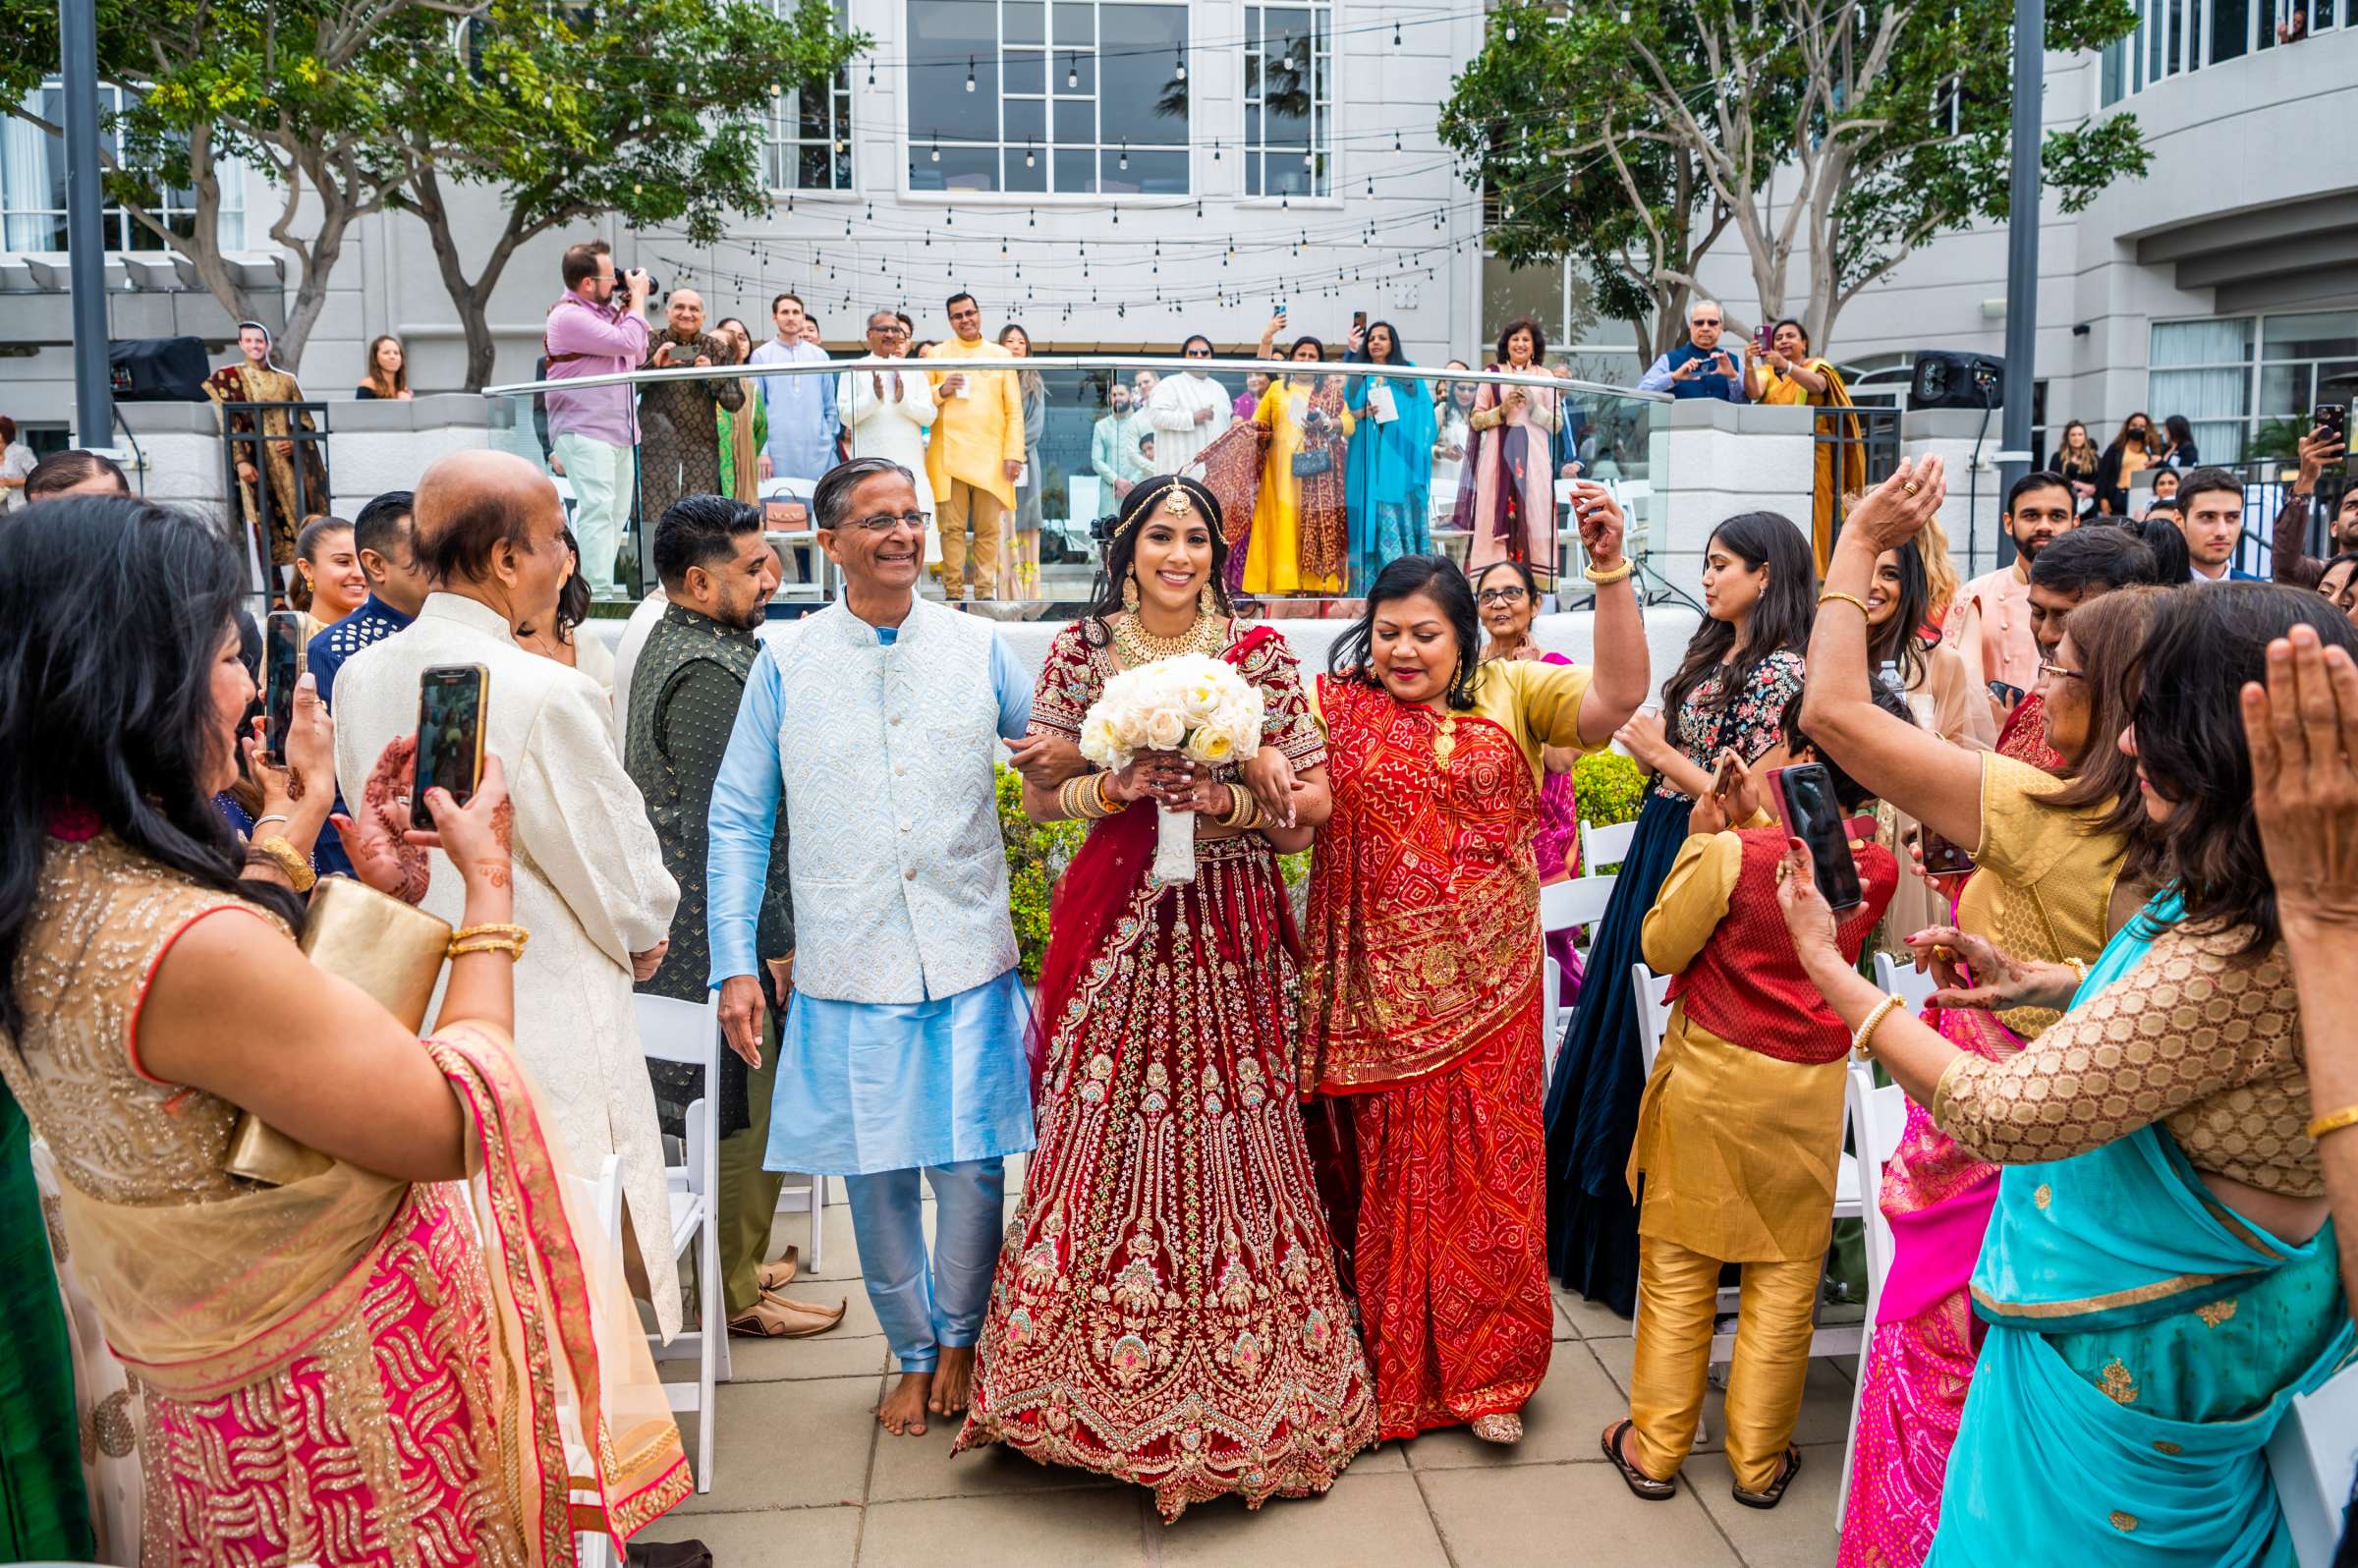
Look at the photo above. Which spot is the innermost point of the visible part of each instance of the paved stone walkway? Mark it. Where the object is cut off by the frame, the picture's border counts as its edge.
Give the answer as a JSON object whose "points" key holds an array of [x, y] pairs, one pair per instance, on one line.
{"points": [[804, 1475]]}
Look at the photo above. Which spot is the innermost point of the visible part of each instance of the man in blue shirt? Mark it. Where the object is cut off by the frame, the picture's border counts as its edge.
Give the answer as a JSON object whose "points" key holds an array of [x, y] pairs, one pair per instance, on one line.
{"points": [[385, 540], [1699, 367], [877, 721]]}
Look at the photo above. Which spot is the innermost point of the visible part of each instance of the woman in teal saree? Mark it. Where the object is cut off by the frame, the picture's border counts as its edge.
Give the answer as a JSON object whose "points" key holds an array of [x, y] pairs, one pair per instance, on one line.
{"points": [[2159, 1275]]}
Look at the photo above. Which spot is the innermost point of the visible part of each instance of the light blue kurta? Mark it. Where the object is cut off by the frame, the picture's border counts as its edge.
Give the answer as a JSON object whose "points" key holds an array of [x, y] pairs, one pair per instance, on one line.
{"points": [[864, 1086]]}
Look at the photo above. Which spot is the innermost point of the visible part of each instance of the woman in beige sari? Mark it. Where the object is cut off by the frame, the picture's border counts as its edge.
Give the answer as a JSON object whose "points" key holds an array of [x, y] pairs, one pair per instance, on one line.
{"points": [[1788, 374], [362, 1359]]}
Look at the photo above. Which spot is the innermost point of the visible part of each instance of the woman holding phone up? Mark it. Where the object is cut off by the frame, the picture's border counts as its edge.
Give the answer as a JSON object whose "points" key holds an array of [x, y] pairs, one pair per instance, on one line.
{"points": [[151, 991], [1728, 694]]}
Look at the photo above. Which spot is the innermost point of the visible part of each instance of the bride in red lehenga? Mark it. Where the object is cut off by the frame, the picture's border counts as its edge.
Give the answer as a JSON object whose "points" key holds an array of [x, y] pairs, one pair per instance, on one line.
{"points": [[1166, 1308]]}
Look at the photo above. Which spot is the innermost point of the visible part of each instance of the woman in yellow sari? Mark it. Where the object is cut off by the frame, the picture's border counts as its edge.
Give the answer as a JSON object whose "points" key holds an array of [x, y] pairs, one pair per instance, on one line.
{"points": [[1788, 374], [404, 1348]]}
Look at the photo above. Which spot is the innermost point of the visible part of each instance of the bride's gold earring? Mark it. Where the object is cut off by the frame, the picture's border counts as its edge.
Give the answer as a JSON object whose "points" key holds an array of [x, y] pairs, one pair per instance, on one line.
{"points": [[1130, 593], [1206, 601]]}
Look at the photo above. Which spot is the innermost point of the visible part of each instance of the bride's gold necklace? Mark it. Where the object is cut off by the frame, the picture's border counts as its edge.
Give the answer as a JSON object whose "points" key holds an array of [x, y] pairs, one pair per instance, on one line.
{"points": [[1137, 646]]}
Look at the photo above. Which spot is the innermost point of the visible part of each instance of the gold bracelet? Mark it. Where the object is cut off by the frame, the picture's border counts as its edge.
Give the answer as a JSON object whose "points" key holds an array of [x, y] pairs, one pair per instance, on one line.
{"points": [[466, 935], [1244, 809], [1609, 579], [1860, 1044], [1065, 802], [2079, 968], [1107, 806], [289, 860], [1848, 598], [487, 944], [2347, 1116]]}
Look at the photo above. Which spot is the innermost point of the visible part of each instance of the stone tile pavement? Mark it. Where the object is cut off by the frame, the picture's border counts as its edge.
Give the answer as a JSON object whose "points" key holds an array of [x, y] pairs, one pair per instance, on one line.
{"points": [[804, 1475]]}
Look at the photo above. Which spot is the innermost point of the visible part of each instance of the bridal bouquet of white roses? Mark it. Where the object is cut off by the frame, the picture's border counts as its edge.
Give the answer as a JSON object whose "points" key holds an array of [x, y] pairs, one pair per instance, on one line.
{"points": [[1194, 704]]}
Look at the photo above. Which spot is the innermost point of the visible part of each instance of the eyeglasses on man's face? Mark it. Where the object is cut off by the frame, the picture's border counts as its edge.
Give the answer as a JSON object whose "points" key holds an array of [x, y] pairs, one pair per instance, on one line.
{"points": [[1500, 595], [883, 523]]}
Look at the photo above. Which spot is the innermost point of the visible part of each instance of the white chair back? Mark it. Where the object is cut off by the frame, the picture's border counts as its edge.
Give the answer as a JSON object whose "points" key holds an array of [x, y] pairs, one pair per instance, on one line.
{"points": [[1878, 1116], [1578, 902], [1604, 846], [1653, 992], [1896, 974], [689, 1032], [2311, 1459]]}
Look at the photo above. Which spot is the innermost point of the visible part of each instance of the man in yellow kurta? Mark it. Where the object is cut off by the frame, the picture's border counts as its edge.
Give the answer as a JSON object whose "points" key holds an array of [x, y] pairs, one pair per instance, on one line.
{"points": [[977, 452]]}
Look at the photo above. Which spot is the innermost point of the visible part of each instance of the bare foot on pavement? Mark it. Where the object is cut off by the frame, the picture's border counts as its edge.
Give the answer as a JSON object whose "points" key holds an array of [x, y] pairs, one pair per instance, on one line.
{"points": [[903, 1413], [953, 1381]]}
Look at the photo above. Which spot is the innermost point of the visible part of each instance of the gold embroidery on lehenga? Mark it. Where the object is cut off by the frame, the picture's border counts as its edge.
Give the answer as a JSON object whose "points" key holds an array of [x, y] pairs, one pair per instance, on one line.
{"points": [[2216, 1312], [2120, 1384]]}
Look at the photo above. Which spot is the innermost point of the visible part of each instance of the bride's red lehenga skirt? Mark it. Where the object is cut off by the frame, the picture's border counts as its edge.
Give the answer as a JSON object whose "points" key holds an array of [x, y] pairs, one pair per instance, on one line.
{"points": [[1166, 1308]]}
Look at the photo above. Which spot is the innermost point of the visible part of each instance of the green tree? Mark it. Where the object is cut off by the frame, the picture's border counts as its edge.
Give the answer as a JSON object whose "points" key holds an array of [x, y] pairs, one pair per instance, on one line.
{"points": [[299, 88], [653, 110], [1835, 136]]}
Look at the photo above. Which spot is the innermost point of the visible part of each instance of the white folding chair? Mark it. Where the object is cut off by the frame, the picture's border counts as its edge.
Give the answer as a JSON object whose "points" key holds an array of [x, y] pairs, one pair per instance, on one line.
{"points": [[810, 1198], [595, 1549], [1895, 973], [2311, 1459], [1564, 905], [1653, 1012], [1878, 1116], [1604, 846], [689, 1032]]}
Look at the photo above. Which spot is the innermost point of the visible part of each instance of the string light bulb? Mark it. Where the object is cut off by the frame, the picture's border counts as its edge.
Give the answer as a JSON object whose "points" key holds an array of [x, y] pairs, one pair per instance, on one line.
{"points": [[970, 73], [1179, 65], [1072, 70]]}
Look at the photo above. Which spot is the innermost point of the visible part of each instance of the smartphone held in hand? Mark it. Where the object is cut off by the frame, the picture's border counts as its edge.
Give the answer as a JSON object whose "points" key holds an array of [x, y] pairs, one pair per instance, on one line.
{"points": [[1804, 793], [282, 667], [1945, 858], [450, 735]]}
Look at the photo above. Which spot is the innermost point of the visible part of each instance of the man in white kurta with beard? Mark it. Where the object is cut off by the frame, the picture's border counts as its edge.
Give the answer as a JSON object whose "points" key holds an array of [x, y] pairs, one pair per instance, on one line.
{"points": [[589, 879]]}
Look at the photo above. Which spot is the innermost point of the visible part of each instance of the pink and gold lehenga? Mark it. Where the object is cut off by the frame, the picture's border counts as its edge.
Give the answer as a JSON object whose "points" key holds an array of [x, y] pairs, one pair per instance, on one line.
{"points": [[347, 1370], [1166, 1308]]}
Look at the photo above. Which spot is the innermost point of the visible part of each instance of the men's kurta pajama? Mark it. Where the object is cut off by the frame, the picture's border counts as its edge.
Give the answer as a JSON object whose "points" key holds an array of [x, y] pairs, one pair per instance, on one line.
{"points": [[685, 689], [679, 442], [903, 1046]]}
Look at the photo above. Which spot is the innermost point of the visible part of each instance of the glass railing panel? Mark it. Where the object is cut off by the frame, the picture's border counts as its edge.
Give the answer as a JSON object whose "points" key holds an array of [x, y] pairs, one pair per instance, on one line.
{"points": [[1327, 471]]}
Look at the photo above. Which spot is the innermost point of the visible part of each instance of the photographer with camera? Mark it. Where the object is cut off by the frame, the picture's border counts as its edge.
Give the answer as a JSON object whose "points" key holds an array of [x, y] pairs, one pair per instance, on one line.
{"points": [[597, 327]]}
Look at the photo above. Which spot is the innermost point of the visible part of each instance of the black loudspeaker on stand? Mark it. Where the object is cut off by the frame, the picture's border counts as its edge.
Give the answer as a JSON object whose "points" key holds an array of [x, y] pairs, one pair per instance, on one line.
{"points": [[157, 370], [1944, 379]]}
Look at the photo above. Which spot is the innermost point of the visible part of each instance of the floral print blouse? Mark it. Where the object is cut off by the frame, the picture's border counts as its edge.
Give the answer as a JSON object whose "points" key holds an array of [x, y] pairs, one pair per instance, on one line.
{"points": [[1750, 727]]}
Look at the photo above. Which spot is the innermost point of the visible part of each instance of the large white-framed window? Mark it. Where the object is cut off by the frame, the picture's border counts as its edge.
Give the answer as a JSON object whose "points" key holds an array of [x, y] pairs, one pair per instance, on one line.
{"points": [[806, 141], [2172, 37], [2231, 374], [1050, 98], [32, 184], [1289, 99]]}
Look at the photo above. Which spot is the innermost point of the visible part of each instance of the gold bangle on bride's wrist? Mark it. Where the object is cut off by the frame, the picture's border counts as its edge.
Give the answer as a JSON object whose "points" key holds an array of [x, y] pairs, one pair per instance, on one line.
{"points": [[1862, 1044], [1608, 577], [2334, 1122], [1244, 809]]}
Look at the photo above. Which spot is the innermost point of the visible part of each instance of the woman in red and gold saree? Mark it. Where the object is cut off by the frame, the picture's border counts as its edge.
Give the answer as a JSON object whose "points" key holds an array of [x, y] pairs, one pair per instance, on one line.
{"points": [[1167, 1309], [1420, 989], [340, 1365]]}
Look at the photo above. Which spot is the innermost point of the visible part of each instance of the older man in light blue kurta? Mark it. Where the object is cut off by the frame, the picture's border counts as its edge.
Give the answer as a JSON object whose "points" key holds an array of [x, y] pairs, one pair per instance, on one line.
{"points": [[878, 721]]}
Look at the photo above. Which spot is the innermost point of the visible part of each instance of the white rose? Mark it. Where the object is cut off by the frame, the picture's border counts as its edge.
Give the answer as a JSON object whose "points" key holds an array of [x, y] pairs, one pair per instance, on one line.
{"points": [[1098, 742], [1165, 729], [1211, 745]]}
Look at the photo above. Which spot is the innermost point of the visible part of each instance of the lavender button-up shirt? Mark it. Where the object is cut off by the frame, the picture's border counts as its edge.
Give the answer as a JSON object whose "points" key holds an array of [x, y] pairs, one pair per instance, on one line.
{"points": [[601, 339]]}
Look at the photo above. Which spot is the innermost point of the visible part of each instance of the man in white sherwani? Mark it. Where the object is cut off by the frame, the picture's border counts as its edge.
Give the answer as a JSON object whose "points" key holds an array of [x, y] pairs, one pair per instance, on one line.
{"points": [[1186, 411], [590, 885]]}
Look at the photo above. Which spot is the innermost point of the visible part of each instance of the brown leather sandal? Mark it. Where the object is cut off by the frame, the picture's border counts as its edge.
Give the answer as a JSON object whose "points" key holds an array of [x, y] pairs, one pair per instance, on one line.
{"points": [[776, 1317], [1641, 1484], [1777, 1489], [779, 1272]]}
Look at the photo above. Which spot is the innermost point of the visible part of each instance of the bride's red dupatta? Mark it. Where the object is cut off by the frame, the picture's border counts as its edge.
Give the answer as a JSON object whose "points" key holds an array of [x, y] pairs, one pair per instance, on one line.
{"points": [[1094, 893]]}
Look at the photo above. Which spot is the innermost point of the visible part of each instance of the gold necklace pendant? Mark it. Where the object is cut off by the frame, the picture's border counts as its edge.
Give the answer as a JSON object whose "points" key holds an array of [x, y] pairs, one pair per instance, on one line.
{"points": [[1446, 744], [1137, 646]]}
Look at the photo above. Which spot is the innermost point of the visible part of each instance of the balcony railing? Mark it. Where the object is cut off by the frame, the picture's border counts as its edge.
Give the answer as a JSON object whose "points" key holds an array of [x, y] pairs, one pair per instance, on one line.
{"points": [[1312, 536]]}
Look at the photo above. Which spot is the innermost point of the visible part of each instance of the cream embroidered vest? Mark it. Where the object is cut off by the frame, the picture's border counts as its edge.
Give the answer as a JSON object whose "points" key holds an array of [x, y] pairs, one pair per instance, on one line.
{"points": [[900, 877]]}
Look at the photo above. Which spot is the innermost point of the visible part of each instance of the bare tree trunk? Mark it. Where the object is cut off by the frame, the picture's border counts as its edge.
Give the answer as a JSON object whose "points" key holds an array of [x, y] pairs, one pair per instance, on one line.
{"points": [[472, 299]]}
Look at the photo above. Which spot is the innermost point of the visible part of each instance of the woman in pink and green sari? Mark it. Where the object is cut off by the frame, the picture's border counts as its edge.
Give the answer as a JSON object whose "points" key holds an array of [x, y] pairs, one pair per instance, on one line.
{"points": [[2058, 864]]}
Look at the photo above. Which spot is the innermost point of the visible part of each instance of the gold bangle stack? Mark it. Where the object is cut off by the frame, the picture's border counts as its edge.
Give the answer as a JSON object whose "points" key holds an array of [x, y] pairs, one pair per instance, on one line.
{"points": [[1862, 1044], [1848, 598], [2334, 1122], [1244, 809], [1607, 579], [493, 937], [289, 860], [1084, 799]]}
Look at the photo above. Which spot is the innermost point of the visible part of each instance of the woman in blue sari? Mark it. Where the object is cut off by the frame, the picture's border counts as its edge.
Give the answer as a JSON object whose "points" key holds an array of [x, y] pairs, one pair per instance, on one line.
{"points": [[2160, 1276], [1388, 493]]}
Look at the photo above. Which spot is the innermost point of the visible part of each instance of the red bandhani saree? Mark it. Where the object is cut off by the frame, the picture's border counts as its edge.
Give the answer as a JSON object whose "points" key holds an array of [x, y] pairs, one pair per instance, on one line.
{"points": [[1420, 1008]]}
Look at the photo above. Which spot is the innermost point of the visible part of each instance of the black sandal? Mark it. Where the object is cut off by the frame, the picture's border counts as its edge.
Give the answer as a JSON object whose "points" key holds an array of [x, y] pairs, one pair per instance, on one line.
{"points": [[1640, 1486], [1777, 1489]]}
